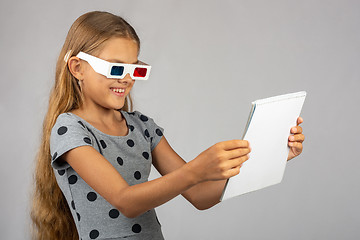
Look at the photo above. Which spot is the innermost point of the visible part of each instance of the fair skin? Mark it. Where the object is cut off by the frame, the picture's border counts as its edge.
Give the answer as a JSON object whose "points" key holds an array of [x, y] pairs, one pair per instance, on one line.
{"points": [[200, 181]]}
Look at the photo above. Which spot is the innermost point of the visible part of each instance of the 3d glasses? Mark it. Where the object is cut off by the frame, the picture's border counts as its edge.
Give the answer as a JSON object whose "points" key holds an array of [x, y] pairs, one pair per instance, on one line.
{"points": [[140, 71]]}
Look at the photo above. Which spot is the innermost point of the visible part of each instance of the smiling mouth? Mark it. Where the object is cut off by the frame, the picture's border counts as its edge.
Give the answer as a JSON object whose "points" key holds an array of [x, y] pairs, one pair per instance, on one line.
{"points": [[118, 90]]}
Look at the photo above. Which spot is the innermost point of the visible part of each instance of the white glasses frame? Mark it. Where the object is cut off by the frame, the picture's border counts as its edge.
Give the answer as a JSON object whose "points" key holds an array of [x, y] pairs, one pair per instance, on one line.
{"points": [[104, 67]]}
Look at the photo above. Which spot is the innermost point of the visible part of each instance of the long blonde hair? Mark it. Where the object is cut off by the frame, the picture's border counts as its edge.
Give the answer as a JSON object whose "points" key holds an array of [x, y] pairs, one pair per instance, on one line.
{"points": [[50, 213]]}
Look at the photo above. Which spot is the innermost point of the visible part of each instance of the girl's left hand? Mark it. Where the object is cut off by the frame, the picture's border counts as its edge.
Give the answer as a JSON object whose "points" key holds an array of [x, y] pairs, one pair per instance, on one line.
{"points": [[295, 141]]}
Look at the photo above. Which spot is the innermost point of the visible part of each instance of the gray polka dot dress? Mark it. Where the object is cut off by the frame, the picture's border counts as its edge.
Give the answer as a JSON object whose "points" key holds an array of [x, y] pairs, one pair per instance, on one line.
{"points": [[96, 218]]}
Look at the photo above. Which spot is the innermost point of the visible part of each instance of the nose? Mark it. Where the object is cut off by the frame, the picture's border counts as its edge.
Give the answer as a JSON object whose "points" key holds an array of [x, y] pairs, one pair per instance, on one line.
{"points": [[126, 80]]}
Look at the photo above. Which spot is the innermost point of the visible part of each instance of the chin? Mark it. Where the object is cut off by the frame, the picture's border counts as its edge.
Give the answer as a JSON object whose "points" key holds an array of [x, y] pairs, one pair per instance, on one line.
{"points": [[118, 106], [115, 103]]}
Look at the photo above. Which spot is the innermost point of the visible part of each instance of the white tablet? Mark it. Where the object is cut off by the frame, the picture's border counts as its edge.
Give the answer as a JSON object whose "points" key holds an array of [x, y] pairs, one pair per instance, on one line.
{"points": [[267, 130]]}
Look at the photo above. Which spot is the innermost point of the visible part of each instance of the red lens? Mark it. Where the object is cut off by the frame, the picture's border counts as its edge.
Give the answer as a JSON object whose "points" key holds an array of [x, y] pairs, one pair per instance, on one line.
{"points": [[140, 72]]}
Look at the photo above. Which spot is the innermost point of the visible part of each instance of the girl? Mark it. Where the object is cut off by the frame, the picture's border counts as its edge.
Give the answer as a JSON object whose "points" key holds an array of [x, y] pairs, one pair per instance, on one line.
{"points": [[96, 153]]}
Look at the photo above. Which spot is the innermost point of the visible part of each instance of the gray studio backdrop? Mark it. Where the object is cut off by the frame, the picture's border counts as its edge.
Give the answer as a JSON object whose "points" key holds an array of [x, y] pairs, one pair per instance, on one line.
{"points": [[210, 60]]}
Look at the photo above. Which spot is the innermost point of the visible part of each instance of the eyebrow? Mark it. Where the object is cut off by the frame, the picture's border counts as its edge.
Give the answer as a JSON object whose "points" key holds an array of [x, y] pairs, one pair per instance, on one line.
{"points": [[118, 61]]}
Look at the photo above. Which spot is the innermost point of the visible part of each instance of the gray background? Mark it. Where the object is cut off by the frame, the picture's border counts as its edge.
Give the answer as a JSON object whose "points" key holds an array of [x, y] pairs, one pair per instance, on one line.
{"points": [[210, 60]]}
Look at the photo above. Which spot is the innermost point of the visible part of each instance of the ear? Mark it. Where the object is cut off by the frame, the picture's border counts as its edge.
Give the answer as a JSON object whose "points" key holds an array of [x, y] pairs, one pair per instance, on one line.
{"points": [[76, 67]]}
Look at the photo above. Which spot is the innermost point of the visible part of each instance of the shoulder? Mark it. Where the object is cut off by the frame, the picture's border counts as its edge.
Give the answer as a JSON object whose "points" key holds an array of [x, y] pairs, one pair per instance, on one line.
{"points": [[67, 124], [141, 119], [67, 133], [147, 126], [66, 119], [136, 115]]}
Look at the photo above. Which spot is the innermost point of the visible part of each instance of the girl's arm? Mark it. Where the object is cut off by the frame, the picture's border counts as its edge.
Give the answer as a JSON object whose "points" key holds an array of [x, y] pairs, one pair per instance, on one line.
{"points": [[202, 195], [207, 194], [219, 162]]}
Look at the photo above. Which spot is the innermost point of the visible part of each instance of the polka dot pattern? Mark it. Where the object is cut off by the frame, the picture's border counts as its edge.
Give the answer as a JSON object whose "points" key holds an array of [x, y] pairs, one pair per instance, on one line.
{"points": [[130, 143], [91, 196], [72, 179], [103, 144], [62, 130], [146, 155], [130, 155], [159, 132], [144, 118], [114, 213], [120, 161], [146, 132], [94, 234], [136, 228], [137, 175]]}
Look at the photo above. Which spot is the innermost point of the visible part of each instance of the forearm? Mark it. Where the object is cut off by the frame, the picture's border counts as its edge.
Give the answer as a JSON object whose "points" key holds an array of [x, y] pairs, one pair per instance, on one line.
{"points": [[137, 199], [213, 166], [206, 194]]}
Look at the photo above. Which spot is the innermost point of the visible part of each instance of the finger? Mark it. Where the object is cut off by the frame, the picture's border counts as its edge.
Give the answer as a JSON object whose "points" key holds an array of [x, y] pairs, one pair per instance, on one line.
{"points": [[296, 129], [239, 161], [233, 163], [235, 153], [233, 144], [297, 138], [297, 145], [299, 120], [232, 172]]}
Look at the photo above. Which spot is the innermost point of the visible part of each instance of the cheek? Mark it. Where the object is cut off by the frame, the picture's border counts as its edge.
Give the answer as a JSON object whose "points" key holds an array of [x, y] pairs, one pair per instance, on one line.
{"points": [[95, 86]]}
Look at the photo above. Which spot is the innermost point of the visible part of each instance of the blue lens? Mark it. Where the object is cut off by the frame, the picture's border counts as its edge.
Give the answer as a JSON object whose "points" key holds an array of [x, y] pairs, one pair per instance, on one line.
{"points": [[117, 70]]}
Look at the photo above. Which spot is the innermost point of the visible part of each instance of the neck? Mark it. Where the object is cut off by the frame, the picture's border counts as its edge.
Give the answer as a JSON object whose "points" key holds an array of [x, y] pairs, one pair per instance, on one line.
{"points": [[93, 113]]}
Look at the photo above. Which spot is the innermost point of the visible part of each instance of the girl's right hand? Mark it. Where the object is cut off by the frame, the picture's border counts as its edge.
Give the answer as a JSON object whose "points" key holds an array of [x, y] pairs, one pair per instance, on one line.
{"points": [[221, 161]]}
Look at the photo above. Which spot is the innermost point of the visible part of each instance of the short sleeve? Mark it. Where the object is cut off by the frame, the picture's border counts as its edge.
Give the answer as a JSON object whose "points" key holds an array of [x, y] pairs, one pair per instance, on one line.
{"points": [[68, 133], [154, 132]]}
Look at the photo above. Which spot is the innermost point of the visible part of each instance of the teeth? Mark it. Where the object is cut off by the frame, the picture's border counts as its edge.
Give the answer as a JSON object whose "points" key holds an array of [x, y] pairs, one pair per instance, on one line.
{"points": [[118, 90]]}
